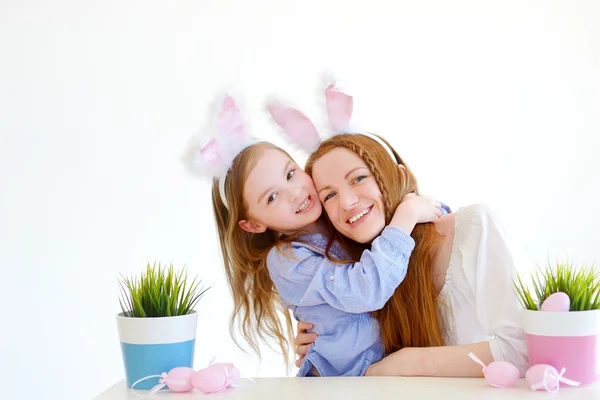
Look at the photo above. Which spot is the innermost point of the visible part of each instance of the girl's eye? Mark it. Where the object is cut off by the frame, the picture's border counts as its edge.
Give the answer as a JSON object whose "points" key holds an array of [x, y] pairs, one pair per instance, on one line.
{"points": [[290, 174], [359, 178], [271, 198], [329, 196]]}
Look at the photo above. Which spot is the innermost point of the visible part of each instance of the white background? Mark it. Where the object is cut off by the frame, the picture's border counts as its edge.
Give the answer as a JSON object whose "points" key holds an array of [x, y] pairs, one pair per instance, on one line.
{"points": [[495, 102]]}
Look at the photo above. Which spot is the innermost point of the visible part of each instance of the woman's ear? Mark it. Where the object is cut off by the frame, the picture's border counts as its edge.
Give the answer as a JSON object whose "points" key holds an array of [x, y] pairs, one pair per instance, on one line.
{"points": [[252, 226], [402, 169]]}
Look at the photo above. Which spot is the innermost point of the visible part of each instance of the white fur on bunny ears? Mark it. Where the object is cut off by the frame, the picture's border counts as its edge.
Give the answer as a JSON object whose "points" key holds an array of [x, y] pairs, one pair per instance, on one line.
{"points": [[210, 153], [301, 131]]}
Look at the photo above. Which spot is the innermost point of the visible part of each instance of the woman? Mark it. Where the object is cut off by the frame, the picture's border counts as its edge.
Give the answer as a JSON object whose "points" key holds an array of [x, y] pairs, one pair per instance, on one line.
{"points": [[457, 296]]}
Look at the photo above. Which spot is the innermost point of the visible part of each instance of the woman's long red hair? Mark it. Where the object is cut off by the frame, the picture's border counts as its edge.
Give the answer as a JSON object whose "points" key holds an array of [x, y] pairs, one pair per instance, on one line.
{"points": [[410, 318]]}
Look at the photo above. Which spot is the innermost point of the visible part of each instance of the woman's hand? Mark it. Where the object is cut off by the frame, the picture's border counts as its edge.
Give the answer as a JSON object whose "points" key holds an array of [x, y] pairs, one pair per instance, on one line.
{"points": [[303, 341], [443, 361], [401, 363]]}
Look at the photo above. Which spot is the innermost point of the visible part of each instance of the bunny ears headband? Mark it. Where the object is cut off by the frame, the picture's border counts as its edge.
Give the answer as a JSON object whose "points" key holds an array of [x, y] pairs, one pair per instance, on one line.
{"points": [[213, 157], [303, 133]]}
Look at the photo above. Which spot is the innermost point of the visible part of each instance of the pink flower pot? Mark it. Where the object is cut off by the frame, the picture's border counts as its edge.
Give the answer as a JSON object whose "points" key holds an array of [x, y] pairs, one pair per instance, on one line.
{"points": [[568, 340]]}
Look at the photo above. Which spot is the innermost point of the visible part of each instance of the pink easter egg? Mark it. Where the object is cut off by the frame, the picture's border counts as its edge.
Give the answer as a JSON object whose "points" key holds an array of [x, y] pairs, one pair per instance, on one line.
{"points": [[179, 379], [501, 374], [557, 302], [232, 372], [535, 375], [210, 380]]}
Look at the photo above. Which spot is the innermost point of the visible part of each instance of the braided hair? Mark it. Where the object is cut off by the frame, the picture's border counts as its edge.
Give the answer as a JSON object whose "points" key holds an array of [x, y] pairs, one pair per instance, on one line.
{"points": [[410, 318]]}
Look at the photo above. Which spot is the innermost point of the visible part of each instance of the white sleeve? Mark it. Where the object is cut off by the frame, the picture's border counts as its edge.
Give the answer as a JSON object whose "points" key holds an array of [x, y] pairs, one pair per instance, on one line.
{"points": [[489, 271]]}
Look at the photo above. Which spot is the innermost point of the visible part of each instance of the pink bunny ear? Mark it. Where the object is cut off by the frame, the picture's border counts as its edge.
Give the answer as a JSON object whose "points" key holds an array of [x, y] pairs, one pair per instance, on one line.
{"points": [[296, 125], [211, 153], [339, 108], [230, 122]]}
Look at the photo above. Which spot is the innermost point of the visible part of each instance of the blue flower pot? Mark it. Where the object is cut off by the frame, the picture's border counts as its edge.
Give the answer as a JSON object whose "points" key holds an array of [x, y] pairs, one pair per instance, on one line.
{"points": [[151, 346]]}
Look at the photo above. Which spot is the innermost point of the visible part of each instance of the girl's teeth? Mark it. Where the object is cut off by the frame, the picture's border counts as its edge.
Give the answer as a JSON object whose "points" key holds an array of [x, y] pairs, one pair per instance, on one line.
{"points": [[303, 206], [358, 216]]}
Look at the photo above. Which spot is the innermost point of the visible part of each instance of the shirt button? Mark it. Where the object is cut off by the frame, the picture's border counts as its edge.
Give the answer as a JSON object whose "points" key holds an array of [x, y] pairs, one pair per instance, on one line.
{"points": [[331, 278]]}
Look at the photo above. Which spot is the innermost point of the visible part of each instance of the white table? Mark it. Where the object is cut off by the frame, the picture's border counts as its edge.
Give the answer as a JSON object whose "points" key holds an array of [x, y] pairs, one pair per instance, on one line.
{"points": [[365, 388]]}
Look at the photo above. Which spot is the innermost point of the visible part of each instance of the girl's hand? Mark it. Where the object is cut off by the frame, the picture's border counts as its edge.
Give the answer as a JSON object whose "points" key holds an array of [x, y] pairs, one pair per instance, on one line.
{"points": [[424, 208], [414, 210], [303, 341]]}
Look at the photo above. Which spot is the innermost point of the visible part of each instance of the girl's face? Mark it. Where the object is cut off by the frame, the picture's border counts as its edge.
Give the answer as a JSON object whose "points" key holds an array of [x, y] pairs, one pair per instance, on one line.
{"points": [[350, 195], [279, 195]]}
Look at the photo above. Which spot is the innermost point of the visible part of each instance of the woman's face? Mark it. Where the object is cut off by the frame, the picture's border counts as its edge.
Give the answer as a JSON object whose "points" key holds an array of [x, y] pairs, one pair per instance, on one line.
{"points": [[350, 195]]}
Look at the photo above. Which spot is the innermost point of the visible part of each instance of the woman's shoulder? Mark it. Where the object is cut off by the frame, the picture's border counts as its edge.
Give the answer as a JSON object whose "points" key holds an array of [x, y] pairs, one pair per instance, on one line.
{"points": [[474, 222], [466, 223], [478, 210], [463, 233], [473, 213], [479, 214]]}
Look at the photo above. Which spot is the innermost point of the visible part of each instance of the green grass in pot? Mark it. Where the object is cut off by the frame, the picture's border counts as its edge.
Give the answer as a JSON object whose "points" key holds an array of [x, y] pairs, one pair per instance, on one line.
{"points": [[159, 292], [582, 285]]}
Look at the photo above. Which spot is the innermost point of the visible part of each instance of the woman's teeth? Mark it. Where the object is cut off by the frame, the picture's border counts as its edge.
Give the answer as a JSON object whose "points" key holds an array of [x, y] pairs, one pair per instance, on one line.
{"points": [[303, 206], [359, 215]]}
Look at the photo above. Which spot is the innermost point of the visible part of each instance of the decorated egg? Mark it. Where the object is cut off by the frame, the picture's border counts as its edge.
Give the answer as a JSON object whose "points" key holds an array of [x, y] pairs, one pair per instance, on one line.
{"points": [[536, 374], [232, 372], [210, 380], [501, 374], [557, 302], [179, 379]]}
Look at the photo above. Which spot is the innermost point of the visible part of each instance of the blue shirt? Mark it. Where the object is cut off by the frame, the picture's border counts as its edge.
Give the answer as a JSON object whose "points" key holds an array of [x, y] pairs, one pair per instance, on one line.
{"points": [[338, 298]]}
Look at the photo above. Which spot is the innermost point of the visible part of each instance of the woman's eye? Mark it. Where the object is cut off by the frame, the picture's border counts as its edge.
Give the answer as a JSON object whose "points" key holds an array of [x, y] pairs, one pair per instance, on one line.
{"points": [[290, 174], [359, 178], [271, 198], [329, 196]]}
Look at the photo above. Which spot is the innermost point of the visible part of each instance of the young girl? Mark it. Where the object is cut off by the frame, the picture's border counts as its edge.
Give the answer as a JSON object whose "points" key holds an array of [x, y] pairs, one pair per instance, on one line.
{"points": [[273, 242]]}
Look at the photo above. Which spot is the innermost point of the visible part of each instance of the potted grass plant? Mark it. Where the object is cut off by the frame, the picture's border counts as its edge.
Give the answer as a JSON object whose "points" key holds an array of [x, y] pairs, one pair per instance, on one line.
{"points": [[157, 323], [561, 319]]}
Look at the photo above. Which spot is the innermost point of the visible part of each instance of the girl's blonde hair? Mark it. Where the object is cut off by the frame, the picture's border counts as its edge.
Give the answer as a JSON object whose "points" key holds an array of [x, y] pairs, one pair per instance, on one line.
{"points": [[410, 318], [257, 306]]}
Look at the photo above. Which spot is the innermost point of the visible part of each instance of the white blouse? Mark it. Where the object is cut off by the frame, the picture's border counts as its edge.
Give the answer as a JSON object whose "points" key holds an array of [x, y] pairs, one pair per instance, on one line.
{"points": [[478, 301]]}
